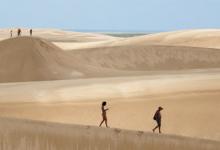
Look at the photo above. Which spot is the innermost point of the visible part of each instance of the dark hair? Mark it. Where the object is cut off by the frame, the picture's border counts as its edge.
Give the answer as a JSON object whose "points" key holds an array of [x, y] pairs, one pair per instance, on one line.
{"points": [[160, 108], [104, 103]]}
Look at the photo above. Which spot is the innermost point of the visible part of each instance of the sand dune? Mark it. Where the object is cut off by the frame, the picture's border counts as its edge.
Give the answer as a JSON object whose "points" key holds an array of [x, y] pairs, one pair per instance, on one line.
{"points": [[147, 58], [206, 38], [58, 35], [33, 135], [178, 70], [191, 101], [36, 59]]}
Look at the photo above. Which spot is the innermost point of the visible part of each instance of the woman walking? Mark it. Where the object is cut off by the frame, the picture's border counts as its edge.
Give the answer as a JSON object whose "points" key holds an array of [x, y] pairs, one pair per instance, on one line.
{"points": [[104, 116]]}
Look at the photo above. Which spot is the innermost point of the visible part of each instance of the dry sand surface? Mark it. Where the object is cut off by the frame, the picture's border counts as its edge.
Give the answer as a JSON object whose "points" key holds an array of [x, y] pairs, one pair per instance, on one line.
{"points": [[206, 38], [149, 58], [191, 101], [35, 135], [58, 35], [69, 74], [35, 59]]}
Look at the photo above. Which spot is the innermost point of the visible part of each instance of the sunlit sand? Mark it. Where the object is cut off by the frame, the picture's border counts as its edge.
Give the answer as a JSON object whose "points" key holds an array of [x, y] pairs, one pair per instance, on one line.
{"points": [[62, 77]]}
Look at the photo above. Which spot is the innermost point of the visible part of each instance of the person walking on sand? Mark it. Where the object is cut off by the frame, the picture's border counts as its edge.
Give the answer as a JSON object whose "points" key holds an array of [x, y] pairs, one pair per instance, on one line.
{"points": [[11, 33], [19, 32], [157, 118], [31, 31], [104, 116]]}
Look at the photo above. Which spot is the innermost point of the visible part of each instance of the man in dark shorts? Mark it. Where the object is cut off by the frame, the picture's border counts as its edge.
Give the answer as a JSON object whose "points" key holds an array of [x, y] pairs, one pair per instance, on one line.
{"points": [[31, 31], [19, 32], [157, 118]]}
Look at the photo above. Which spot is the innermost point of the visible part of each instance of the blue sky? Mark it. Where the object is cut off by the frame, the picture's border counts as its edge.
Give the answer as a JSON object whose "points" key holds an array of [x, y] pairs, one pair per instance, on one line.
{"points": [[114, 15]]}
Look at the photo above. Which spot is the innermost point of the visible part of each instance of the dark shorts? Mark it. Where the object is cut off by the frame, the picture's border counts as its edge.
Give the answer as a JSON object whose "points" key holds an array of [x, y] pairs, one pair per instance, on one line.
{"points": [[158, 123]]}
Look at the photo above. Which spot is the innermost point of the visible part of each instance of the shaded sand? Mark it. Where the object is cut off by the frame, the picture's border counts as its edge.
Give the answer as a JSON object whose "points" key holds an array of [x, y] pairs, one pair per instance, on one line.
{"points": [[26, 134], [191, 101]]}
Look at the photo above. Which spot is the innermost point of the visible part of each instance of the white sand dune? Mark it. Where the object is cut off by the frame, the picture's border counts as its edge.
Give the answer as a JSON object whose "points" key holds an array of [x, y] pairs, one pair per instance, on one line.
{"points": [[33, 135]]}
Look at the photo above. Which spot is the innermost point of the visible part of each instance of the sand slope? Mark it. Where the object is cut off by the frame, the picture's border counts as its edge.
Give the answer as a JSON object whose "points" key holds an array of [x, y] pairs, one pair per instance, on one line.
{"points": [[135, 75], [36, 59], [33, 59], [206, 38], [191, 101], [147, 58], [34, 135]]}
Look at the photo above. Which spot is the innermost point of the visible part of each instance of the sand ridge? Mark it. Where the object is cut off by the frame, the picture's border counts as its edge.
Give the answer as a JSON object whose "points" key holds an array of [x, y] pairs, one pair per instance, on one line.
{"points": [[58, 35]]}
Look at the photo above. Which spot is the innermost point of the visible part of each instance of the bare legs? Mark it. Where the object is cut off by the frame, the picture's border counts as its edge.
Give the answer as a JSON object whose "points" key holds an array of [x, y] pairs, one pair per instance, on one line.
{"points": [[106, 123], [159, 127]]}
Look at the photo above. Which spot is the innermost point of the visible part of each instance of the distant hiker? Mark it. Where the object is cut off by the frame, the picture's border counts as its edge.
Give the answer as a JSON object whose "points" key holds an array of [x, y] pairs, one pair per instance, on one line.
{"points": [[31, 31], [104, 116], [11, 33], [157, 118], [19, 32]]}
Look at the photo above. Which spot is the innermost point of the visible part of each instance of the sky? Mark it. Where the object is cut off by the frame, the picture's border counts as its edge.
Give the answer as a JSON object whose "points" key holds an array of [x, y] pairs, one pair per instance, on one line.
{"points": [[111, 15]]}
